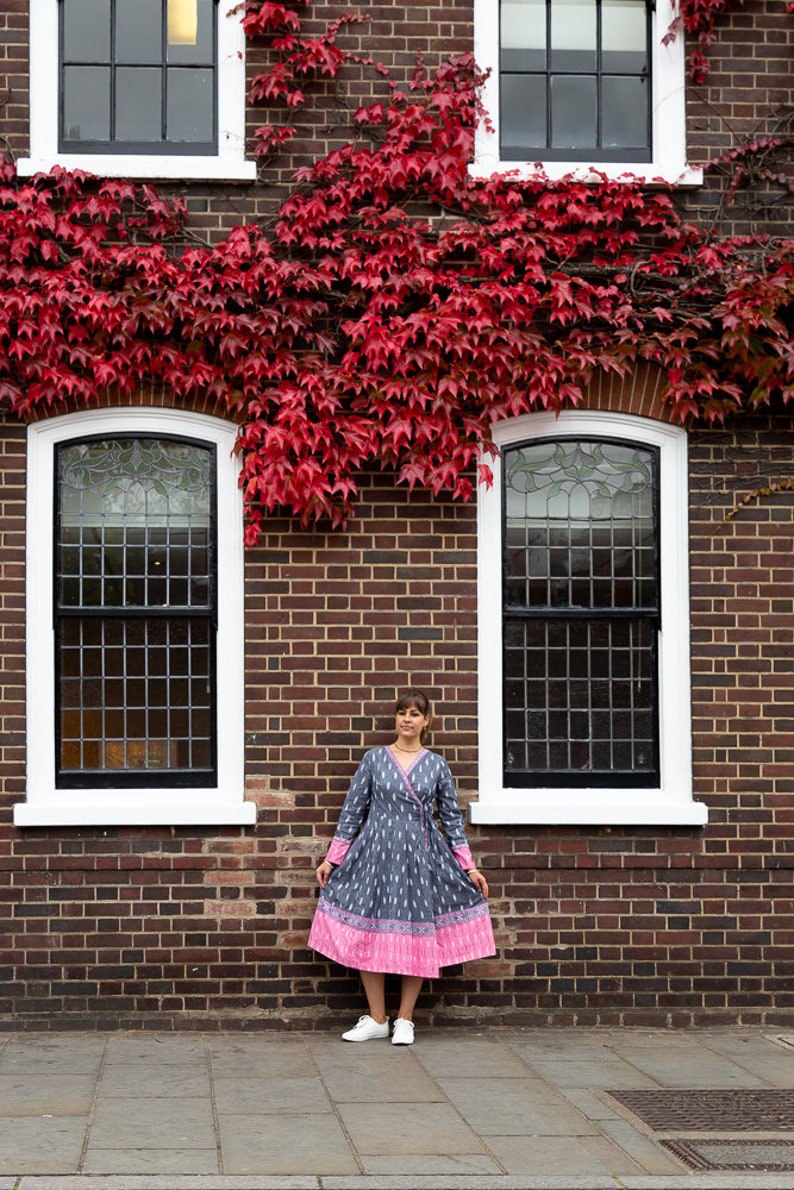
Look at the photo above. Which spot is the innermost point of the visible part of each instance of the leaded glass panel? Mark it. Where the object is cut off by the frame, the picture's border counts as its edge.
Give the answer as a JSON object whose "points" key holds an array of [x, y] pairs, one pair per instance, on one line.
{"points": [[135, 608], [581, 613]]}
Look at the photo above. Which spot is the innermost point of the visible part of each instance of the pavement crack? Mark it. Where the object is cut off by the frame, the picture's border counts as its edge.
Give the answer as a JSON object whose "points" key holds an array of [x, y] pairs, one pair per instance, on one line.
{"points": [[92, 1107], [216, 1124]]}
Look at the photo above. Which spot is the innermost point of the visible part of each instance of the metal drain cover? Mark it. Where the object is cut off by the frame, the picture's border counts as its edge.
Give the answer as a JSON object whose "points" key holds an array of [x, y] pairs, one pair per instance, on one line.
{"points": [[712, 1111], [743, 1155]]}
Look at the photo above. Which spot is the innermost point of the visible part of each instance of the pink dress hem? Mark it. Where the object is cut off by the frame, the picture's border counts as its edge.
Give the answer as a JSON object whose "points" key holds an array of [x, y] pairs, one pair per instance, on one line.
{"points": [[444, 943]]}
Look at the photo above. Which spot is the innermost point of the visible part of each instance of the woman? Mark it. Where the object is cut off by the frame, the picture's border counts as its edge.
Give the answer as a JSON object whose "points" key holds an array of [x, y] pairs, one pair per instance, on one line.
{"points": [[396, 895]]}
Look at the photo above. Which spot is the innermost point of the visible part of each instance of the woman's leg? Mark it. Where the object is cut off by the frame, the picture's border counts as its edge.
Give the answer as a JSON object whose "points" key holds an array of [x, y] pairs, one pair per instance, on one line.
{"points": [[374, 982], [411, 985]]}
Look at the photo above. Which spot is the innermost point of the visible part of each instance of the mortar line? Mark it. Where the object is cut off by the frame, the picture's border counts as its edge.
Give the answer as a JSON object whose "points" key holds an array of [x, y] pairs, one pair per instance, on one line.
{"points": [[93, 1105], [216, 1127], [339, 1119], [480, 1138]]}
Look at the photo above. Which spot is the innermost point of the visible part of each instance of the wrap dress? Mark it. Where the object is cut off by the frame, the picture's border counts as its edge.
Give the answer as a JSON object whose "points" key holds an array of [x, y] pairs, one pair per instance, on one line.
{"points": [[400, 900]]}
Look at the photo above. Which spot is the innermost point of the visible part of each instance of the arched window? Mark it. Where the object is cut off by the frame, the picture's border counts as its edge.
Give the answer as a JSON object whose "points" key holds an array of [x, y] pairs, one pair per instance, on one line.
{"points": [[581, 610], [583, 624], [134, 621]]}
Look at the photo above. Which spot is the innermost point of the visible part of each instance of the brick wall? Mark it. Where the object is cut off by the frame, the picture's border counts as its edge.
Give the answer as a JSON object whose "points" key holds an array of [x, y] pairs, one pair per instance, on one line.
{"points": [[161, 927], [172, 926]]}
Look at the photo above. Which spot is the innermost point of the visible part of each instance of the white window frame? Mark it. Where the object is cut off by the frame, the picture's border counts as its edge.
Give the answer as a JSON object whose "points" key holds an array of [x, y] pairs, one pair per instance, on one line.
{"points": [[228, 164], [48, 806], [668, 109], [670, 804]]}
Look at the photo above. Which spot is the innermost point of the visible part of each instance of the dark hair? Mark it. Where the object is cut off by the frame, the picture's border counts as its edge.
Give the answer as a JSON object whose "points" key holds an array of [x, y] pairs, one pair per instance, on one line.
{"points": [[415, 698]]}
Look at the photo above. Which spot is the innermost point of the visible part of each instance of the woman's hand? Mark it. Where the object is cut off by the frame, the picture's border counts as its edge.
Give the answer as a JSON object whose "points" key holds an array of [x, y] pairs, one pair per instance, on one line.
{"points": [[324, 870], [479, 881]]}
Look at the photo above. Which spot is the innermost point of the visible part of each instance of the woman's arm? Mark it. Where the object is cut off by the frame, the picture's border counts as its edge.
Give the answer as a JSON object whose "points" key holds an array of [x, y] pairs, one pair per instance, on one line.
{"points": [[354, 811], [452, 821]]}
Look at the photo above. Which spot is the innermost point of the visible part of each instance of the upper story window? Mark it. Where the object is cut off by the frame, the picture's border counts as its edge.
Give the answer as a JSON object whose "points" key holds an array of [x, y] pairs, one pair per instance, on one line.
{"points": [[135, 662], [583, 615], [138, 76], [575, 80], [582, 87], [138, 89]]}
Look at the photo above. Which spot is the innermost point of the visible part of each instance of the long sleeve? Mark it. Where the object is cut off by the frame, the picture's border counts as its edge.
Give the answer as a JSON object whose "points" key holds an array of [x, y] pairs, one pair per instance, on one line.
{"points": [[452, 818], [354, 811]]}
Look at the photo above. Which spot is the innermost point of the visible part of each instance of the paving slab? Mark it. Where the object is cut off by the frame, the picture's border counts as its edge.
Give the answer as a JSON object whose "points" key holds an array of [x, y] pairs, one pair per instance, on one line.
{"points": [[152, 1123], [267, 1096], [515, 1107], [146, 1080], [607, 1071], [561, 1155], [459, 1056], [24, 1094], [357, 1077], [695, 1067], [155, 1047], [408, 1128], [53, 1055], [649, 1155], [285, 1144], [150, 1161], [259, 1057], [171, 1182], [36, 1144], [452, 1165], [590, 1104]]}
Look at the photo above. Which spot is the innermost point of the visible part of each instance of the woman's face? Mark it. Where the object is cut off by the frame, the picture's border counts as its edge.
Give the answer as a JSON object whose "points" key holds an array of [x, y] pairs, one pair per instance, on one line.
{"points": [[409, 723]]}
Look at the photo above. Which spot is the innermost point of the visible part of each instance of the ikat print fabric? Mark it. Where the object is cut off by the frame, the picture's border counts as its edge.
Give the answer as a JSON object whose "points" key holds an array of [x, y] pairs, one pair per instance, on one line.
{"points": [[400, 901]]}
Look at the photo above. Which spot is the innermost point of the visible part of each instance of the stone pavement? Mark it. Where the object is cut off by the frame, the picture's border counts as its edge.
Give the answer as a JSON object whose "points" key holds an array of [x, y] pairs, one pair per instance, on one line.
{"points": [[464, 1108]]}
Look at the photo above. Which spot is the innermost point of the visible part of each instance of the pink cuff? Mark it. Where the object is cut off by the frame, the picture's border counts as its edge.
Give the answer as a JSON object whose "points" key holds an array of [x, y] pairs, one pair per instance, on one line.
{"points": [[338, 850], [464, 858]]}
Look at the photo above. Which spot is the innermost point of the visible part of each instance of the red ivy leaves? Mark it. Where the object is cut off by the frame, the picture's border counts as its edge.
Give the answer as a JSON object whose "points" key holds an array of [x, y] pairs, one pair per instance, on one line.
{"points": [[358, 332]]}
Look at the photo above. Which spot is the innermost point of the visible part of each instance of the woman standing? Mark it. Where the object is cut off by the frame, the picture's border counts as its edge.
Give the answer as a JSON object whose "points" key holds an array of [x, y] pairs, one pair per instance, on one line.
{"points": [[396, 895]]}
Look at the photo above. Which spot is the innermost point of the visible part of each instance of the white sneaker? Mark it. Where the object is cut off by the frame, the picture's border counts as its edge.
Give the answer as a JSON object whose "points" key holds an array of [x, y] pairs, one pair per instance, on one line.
{"points": [[366, 1029], [403, 1032]]}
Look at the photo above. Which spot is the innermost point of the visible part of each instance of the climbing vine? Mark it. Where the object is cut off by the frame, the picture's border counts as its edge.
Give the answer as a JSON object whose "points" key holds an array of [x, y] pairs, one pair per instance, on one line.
{"points": [[396, 308]]}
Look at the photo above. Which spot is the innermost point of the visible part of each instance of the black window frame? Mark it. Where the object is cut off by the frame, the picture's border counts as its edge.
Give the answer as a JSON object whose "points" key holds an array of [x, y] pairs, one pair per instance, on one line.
{"points": [[575, 778], [198, 778], [161, 148], [594, 154]]}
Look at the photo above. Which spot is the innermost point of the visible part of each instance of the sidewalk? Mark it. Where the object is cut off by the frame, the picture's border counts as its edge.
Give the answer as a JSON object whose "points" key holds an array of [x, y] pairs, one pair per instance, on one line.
{"points": [[509, 1109]]}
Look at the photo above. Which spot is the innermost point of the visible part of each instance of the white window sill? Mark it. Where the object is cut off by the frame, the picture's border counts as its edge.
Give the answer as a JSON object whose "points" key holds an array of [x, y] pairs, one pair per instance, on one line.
{"points": [[204, 169], [126, 807], [648, 172], [591, 807]]}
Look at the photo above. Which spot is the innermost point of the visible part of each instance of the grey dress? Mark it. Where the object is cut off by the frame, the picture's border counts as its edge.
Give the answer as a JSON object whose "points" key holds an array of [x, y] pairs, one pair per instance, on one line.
{"points": [[399, 899]]}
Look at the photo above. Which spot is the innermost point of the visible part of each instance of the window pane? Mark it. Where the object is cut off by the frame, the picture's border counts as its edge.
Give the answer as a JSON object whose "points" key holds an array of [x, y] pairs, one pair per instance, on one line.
{"points": [[138, 104], [624, 36], [189, 115], [523, 34], [139, 31], [523, 114], [127, 719], [573, 112], [200, 52], [624, 112], [600, 715], [86, 103], [134, 506], [573, 35], [86, 30]]}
